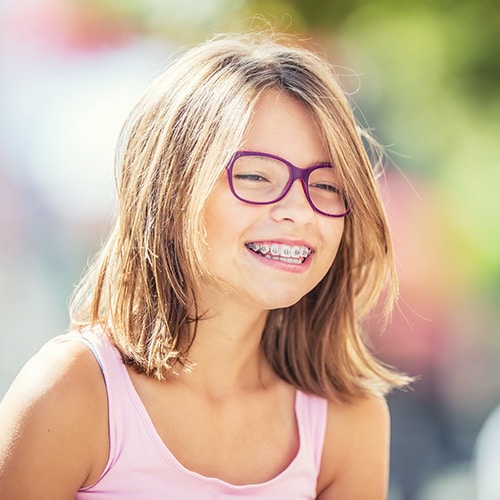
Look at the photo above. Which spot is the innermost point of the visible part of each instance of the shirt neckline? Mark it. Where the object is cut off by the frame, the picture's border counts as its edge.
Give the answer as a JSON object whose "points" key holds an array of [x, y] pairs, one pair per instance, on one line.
{"points": [[172, 459]]}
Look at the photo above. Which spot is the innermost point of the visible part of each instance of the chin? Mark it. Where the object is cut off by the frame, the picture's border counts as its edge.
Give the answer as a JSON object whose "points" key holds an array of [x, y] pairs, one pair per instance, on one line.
{"points": [[284, 303]]}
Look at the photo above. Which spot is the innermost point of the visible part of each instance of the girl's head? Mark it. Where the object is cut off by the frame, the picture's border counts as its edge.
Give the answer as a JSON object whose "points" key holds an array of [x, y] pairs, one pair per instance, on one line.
{"points": [[173, 149]]}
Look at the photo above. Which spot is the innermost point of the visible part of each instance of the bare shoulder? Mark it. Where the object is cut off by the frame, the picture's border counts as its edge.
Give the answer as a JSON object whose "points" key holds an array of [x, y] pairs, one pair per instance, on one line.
{"points": [[54, 407], [355, 461]]}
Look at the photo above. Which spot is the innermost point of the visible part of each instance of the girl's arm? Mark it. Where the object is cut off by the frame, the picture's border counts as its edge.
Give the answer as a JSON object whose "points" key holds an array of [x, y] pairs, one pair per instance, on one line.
{"points": [[355, 462], [53, 425]]}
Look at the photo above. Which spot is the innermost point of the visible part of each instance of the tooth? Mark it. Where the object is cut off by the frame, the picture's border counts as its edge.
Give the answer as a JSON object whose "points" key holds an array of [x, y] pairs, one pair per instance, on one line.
{"points": [[285, 251]]}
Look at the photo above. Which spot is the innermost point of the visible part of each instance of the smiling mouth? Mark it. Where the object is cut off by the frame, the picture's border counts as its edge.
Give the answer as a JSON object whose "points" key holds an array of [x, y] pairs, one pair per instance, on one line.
{"points": [[291, 254]]}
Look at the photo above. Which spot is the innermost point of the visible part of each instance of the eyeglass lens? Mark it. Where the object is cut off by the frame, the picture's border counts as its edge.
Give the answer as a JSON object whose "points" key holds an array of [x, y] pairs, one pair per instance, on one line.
{"points": [[261, 179]]}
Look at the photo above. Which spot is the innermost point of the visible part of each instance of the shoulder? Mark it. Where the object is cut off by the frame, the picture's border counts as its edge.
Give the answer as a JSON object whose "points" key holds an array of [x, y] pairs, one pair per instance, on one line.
{"points": [[48, 417], [355, 458], [59, 372]]}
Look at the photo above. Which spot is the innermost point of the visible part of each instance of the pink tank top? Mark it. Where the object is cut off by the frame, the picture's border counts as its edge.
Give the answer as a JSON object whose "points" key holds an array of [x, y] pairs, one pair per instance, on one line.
{"points": [[141, 467]]}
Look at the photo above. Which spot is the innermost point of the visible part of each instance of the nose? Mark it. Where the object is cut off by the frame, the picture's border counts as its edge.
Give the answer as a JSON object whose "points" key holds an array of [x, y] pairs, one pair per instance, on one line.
{"points": [[294, 205]]}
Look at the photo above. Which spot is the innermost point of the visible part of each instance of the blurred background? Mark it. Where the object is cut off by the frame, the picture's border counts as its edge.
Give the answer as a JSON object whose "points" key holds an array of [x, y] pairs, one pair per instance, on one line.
{"points": [[424, 76]]}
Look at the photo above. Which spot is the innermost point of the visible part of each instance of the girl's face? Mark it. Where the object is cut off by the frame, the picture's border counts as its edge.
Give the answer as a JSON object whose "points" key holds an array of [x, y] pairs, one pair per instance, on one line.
{"points": [[270, 256]]}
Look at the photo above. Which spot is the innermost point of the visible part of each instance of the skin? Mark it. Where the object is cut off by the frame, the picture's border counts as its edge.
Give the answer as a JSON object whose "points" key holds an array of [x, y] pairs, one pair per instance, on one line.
{"points": [[231, 405]]}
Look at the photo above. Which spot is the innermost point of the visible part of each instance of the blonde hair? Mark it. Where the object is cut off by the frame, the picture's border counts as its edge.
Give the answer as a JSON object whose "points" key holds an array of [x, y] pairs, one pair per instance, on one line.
{"points": [[141, 288]]}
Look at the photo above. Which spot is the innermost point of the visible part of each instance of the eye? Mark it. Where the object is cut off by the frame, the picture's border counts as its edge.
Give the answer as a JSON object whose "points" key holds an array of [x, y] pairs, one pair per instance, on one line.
{"points": [[325, 182], [326, 187], [250, 176]]}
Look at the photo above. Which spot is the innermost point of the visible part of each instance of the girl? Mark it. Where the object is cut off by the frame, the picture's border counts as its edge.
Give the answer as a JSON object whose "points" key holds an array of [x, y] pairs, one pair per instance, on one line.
{"points": [[215, 349]]}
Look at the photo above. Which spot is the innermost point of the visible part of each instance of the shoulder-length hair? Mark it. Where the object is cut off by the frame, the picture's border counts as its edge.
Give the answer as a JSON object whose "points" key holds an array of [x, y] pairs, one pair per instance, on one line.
{"points": [[141, 288]]}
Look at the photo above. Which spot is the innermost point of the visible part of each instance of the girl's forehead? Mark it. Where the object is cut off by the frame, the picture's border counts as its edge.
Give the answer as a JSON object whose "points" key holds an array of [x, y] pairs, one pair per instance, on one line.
{"points": [[282, 125]]}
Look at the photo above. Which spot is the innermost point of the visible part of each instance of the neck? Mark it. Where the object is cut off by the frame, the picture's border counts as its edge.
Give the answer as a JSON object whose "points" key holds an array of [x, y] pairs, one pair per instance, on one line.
{"points": [[227, 355]]}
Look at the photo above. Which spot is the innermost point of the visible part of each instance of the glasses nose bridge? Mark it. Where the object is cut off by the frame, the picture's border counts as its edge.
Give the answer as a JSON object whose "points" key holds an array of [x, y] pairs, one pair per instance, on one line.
{"points": [[301, 174]]}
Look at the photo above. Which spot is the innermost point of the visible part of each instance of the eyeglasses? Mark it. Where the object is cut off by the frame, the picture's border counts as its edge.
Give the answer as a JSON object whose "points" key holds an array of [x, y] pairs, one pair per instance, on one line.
{"points": [[263, 178]]}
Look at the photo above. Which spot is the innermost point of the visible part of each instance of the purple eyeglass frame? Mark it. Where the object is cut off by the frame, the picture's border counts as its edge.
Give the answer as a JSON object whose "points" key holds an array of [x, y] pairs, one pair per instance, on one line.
{"points": [[295, 173]]}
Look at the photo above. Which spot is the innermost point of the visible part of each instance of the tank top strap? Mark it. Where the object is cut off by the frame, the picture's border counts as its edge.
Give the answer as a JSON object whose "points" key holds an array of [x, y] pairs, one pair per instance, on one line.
{"points": [[116, 381], [311, 412]]}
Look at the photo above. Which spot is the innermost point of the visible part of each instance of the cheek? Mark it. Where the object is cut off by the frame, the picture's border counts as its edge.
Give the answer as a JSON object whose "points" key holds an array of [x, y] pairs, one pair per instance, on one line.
{"points": [[333, 231], [215, 213], [224, 220], [331, 247]]}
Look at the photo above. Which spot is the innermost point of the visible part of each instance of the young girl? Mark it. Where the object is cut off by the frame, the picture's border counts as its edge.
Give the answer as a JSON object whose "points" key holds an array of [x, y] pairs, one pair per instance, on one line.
{"points": [[215, 348]]}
